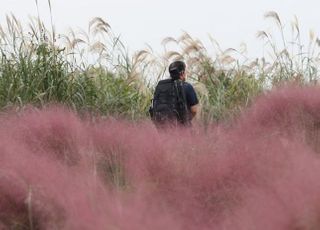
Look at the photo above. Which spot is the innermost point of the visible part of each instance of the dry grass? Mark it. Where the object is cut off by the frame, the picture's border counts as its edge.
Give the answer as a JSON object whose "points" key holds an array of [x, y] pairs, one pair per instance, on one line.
{"points": [[225, 78]]}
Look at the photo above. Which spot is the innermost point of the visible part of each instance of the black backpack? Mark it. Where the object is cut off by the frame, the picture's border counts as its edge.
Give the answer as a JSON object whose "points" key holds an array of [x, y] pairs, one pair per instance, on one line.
{"points": [[169, 103]]}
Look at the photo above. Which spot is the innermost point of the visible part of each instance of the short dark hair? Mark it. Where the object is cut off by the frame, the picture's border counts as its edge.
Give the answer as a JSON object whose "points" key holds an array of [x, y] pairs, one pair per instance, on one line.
{"points": [[176, 68]]}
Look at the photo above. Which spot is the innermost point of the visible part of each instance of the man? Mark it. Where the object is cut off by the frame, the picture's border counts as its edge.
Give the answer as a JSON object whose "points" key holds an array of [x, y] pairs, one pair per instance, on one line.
{"points": [[175, 101]]}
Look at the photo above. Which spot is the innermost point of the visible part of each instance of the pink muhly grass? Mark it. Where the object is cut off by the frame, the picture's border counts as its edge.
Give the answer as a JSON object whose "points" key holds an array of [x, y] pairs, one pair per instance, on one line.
{"points": [[59, 171]]}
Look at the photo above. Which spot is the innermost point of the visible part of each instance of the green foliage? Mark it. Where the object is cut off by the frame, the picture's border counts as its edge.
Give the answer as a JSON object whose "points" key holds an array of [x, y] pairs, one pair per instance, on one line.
{"points": [[92, 71], [108, 94], [44, 77], [227, 94], [35, 71], [35, 77]]}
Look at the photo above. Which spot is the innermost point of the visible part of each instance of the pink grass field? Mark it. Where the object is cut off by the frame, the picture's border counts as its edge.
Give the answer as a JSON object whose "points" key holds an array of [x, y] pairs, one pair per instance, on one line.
{"points": [[260, 171]]}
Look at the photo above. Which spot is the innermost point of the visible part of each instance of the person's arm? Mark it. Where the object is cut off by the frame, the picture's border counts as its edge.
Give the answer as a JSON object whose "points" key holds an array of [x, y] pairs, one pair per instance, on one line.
{"points": [[192, 100], [194, 110]]}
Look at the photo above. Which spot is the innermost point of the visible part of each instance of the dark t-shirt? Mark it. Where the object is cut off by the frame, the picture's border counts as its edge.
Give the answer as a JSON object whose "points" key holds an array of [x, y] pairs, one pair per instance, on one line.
{"points": [[191, 96]]}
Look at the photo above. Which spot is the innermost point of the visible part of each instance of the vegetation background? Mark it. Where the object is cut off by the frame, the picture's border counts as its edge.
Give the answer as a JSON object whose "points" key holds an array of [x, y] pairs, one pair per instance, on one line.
{"points": [[254, 166], [92, 70]]}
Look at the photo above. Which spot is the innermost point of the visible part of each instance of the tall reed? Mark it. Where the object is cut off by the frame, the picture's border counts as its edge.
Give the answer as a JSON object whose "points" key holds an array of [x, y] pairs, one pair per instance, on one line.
{"points": [[93, 71]]}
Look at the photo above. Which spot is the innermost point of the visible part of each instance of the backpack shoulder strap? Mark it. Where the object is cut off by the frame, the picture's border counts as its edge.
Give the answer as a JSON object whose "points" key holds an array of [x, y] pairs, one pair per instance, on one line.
{"points": [[179, 86], [181, 97]]}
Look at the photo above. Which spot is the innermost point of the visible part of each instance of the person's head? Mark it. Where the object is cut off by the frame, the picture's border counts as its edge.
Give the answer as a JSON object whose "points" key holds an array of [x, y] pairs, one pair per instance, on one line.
{"points": [[177, 70]]}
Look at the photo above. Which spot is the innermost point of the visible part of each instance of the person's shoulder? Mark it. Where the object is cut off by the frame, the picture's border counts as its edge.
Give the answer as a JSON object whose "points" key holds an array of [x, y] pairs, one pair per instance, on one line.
{"points": [[165, 81], [188, 86]]}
